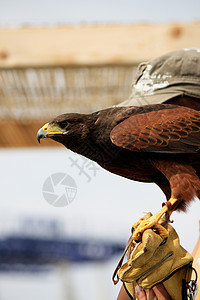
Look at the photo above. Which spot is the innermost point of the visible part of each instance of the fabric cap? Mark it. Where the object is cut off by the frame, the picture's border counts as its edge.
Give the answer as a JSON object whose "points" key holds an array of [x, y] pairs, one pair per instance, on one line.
{"points": [[173, 74]]}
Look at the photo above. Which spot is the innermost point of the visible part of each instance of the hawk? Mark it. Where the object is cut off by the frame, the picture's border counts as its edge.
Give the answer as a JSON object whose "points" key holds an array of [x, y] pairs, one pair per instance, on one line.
{"points": [[157, 143]]}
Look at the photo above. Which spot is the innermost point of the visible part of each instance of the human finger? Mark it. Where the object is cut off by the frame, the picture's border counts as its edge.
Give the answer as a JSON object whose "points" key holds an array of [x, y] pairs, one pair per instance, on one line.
{"points": [[150, 294], [147, 294], [160, 292], [141, 294]]}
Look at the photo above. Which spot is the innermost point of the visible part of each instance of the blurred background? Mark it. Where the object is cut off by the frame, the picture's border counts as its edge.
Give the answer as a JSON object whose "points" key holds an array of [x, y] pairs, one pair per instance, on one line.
{"points": [[64, 220]]}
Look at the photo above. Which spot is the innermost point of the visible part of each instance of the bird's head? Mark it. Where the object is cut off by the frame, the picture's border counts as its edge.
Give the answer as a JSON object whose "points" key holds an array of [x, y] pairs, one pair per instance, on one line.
{"points": [[67, 129]]}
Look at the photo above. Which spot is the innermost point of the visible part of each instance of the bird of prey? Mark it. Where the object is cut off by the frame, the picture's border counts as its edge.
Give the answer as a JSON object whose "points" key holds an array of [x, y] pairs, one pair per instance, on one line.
{"points": [[157, 143]]}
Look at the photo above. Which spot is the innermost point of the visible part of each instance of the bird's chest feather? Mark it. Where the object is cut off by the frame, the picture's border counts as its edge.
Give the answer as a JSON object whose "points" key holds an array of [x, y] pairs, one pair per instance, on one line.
{"points": [[130, 174], [130, 165]]}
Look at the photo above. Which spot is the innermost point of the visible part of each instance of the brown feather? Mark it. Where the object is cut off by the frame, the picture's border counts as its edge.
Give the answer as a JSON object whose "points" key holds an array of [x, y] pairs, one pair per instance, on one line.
{"points": [[153, 143], [165, 128]]}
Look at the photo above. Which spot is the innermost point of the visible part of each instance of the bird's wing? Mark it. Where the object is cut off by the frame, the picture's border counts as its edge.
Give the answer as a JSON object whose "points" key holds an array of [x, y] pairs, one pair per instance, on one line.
{"points": [[167, 130]]}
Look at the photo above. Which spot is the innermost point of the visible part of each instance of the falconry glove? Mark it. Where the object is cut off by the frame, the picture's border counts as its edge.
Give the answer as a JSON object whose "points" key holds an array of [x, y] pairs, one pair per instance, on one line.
{"points": [[156, 260]]}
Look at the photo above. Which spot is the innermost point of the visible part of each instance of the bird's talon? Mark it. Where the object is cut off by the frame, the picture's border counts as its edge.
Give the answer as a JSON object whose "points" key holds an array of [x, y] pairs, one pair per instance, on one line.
{"points": [[143, 224], [138, 239]]}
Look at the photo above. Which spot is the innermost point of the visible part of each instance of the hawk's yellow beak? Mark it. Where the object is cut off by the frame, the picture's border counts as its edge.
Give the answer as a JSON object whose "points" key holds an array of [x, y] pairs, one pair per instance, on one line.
{"points": [[47, 130]]}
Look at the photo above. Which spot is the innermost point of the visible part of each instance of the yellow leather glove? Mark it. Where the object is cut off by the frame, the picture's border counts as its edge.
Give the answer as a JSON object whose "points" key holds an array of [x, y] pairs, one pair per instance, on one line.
{"points": [[155, 260]]}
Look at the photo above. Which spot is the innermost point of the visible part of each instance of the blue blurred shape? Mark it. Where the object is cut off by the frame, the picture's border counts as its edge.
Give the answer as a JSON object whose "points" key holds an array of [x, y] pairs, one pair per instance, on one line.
{"points": [[33, 251]]}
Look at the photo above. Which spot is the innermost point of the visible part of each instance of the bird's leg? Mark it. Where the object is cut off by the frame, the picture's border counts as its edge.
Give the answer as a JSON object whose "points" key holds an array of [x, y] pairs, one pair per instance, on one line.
{"points": [[168, 212], [152, 222]]}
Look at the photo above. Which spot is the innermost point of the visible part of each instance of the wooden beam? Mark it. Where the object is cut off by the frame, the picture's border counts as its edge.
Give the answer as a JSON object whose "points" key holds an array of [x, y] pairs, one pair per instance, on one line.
{"points": [[93, 44], [22, 134]]}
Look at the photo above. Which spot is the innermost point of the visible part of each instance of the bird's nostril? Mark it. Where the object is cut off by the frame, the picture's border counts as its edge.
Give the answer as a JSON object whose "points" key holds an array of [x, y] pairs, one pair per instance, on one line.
{"points": [[45, 128]]}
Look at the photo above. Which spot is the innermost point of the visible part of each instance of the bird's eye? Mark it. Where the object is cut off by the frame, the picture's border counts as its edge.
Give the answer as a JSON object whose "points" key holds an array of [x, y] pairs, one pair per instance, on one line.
{"points": [[64, 124]]}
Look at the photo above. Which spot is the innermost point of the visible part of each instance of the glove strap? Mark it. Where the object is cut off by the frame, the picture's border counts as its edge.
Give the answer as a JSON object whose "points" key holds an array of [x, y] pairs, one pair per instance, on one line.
{"points": [[128, 245]]}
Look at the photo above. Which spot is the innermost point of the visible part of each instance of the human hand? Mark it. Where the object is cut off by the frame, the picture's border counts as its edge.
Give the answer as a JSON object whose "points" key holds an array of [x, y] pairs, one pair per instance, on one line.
{"points": [[158, 292]]}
